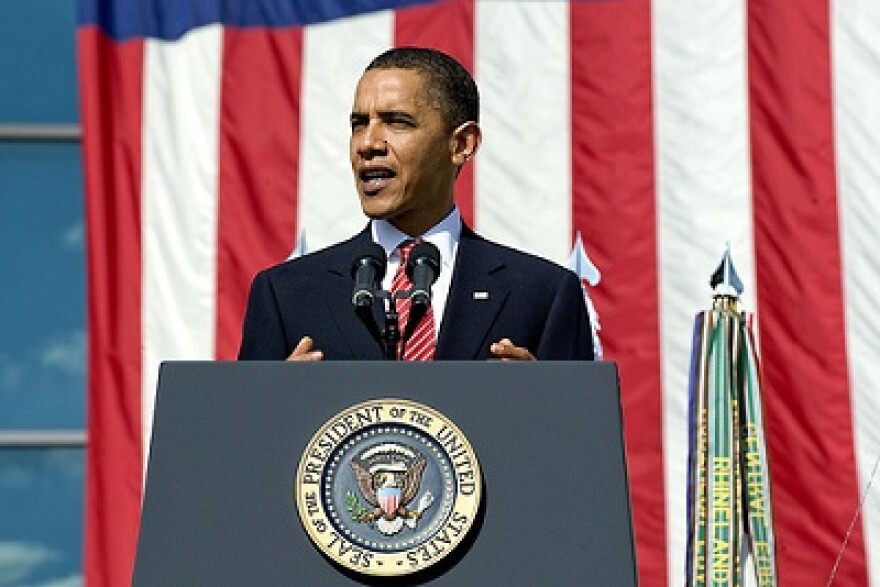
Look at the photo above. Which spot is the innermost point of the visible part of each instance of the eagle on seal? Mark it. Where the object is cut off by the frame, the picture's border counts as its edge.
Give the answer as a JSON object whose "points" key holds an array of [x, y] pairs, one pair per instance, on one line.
{"points": [[390, 491]]}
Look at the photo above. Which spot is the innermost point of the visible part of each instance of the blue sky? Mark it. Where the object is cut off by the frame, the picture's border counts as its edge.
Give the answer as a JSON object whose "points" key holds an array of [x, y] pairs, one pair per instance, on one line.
{"points": [[37, 62], [42, 273], [42, 299], [40, 508]]}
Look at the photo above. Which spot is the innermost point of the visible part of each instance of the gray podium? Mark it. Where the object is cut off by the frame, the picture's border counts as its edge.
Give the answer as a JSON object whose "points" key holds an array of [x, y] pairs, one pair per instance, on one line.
{"points": [[227, 438]]}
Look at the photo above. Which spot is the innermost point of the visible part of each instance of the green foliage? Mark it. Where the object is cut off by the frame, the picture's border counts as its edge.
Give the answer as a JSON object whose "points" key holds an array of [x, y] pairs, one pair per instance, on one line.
{"points": [[356, 509]]}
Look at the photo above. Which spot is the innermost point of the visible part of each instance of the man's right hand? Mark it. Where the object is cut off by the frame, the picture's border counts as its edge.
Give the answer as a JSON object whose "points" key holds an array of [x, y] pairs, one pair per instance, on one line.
{"points": [[304, 352], [505, 350]]}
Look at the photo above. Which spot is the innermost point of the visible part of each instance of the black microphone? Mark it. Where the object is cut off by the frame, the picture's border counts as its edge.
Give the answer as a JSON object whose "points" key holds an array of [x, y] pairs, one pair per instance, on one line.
{"points": [[422, 269], [367, 269]]}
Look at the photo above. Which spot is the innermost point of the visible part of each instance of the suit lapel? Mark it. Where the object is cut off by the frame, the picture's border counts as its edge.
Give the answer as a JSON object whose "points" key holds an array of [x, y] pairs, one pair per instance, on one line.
{"points": [[362, 342], [480, 286]]}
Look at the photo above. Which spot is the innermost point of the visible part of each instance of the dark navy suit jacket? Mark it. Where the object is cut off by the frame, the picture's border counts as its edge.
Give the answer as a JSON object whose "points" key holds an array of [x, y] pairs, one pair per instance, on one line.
{"points": [[535, 303]]}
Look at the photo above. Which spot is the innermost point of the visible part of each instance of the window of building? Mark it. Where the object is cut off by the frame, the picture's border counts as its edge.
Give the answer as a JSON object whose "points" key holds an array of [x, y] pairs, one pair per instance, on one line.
{"points": [[42, 298]]}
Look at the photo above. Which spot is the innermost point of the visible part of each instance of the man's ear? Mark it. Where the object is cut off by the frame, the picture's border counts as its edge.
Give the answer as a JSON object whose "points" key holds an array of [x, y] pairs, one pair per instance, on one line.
{"points": [[465, 142]]}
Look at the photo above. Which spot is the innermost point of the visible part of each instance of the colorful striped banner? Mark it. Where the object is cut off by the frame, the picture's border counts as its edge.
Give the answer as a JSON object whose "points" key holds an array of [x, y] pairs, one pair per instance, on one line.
{"points": [[729, 506]]}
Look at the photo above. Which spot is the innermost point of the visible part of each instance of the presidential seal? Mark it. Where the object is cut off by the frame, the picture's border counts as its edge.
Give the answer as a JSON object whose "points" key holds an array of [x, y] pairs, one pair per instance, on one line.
{"points": [[388, 487]]}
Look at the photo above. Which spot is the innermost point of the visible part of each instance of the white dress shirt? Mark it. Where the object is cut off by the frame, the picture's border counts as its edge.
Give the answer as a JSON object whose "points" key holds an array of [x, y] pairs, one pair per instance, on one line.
{"points": [[445, 235]]}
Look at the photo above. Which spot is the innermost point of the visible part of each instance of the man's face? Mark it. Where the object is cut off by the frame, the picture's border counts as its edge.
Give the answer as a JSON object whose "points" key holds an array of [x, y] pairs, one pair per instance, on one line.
{"points": [[401, 153]]}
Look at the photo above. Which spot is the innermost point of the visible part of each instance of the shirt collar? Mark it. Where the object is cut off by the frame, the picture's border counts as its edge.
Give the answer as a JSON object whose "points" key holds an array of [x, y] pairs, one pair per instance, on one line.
{"points": [[445, 235]]}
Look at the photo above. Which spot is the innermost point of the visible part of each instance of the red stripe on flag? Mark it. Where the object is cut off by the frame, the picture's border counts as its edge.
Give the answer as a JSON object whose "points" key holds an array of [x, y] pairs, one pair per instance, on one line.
{"points": [[259, 166], [800, 297], [613, 206], [111, 99], [449, 27]]}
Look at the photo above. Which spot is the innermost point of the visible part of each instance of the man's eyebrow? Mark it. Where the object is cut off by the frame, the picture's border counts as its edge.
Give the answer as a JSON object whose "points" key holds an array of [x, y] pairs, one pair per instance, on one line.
{"points": [[395, 114], [384, 115]]}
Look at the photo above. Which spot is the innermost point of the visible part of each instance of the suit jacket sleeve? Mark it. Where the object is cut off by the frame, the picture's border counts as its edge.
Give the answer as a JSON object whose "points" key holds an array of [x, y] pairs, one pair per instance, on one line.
{"points": [[263, 336], [567, 334]]}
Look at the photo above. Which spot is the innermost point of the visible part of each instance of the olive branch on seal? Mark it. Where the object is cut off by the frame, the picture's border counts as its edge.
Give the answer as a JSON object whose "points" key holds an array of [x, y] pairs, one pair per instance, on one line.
{"points": [[355, 508]]}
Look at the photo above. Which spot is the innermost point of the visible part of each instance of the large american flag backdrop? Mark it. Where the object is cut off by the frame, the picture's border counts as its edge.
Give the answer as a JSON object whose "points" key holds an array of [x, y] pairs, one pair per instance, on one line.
{"points": [[216, 133]]}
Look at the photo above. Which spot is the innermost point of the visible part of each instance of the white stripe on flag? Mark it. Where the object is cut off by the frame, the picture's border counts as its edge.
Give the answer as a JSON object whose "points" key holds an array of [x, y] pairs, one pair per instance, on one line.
{"points": [[856, 61], [703, 200], [181, 87], [335, 55], [523, 171]]}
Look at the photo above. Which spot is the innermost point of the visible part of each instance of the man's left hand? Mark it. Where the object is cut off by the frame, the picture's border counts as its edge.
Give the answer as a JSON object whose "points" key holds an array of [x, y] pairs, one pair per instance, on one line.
{"points": [[505, 350]]}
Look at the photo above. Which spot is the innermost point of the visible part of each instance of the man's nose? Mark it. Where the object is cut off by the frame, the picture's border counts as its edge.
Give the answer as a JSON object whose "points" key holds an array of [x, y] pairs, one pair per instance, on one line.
{"points": [[372, 141]]}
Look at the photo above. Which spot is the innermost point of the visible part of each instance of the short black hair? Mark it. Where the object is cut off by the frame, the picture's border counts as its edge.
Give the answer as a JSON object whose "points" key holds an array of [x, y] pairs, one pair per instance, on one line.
{"points": [[448, 80]]}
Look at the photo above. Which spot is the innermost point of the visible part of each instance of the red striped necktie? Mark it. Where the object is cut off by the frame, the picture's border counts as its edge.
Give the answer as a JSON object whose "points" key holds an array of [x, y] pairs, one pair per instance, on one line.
{"points": [[421, 344]]}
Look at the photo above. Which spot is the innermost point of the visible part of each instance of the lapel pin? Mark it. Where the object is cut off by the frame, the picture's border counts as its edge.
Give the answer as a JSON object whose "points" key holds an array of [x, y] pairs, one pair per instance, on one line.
{"points": [[481, 295]]}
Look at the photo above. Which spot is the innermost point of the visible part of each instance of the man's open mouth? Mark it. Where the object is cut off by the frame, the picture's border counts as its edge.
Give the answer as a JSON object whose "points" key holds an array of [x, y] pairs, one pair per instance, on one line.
{"points": [[374, 179]]}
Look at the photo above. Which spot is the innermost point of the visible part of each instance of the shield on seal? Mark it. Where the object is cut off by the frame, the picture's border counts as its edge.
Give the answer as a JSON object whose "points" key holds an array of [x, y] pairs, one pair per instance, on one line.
{"points": [[389, 499]]}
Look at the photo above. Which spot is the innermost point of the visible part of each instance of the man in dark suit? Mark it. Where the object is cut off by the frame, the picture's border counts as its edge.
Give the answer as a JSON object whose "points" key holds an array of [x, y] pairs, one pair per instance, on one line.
{"points": [[414, 124]]}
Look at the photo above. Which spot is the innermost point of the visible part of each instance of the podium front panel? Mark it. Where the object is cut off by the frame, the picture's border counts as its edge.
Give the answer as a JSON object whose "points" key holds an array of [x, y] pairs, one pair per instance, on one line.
{"points": [[219, 506]]}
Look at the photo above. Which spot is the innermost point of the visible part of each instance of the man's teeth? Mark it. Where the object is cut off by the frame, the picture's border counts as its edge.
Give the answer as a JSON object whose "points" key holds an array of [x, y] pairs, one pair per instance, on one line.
{"points": [[376, 179], [376, 174]]}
